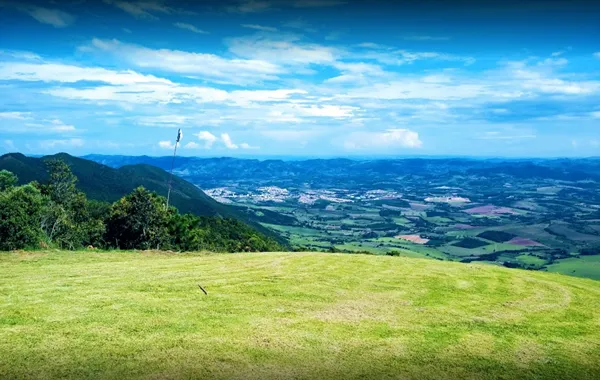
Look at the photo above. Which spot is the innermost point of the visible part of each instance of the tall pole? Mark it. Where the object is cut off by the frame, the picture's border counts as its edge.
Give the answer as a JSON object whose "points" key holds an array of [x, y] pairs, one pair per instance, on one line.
{"points": [[171, 175], [172, 166]]}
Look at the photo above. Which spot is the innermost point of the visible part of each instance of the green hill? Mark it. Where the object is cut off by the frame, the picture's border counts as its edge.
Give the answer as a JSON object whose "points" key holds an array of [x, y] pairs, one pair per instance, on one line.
{"points": [[115, 315], [103, 183]]}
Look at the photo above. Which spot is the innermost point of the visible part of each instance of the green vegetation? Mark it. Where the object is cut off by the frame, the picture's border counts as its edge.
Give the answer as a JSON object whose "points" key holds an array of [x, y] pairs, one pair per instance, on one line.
{"points": [[57, 214], [470, 243], [102, 183], [141, 315], [585, 266], [465, 210], [497, 236]]}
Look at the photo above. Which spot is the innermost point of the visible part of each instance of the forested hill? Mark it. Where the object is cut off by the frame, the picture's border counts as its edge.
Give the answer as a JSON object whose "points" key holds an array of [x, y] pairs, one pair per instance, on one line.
{"points": [[104, 183]]}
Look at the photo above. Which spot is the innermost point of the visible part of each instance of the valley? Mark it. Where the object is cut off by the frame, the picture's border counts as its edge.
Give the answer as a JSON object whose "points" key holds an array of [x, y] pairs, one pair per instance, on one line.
{"points": [[530, 214]]}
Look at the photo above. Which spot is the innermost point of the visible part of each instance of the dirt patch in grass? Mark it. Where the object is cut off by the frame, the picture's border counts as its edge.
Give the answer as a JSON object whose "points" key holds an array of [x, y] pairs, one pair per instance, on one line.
{"points": [[525, 242], [413, 239], [490, 210]]}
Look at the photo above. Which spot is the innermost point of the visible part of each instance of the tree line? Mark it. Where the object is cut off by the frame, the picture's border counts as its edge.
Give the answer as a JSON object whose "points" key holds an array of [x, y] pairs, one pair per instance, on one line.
{"points": [[56, 214]]}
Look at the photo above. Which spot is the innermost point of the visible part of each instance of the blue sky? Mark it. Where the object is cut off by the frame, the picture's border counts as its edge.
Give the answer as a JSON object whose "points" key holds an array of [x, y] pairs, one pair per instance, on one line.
{"points": [[300, 78]]}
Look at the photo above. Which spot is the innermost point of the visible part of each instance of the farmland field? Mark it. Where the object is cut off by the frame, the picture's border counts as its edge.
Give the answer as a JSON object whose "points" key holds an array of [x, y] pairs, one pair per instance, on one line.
{"points": [[457, 210], [140, 315]]}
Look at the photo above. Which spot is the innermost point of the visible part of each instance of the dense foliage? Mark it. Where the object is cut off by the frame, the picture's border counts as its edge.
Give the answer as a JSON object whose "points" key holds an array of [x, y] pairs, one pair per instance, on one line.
{"points": [[102, 183], [58, 214]]}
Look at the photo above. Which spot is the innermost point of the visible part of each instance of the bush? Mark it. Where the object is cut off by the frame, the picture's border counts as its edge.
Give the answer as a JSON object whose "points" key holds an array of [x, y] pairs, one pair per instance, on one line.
{"points": [[20, 216], [139, 220]]}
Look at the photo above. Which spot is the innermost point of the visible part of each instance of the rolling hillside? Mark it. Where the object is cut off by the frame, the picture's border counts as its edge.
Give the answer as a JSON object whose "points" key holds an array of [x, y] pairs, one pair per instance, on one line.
{"points": [[78, 315], [104, 183]]}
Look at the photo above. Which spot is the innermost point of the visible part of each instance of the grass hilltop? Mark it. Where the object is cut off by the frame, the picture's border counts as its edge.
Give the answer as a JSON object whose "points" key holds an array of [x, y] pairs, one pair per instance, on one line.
{"points": [[137, 315]]}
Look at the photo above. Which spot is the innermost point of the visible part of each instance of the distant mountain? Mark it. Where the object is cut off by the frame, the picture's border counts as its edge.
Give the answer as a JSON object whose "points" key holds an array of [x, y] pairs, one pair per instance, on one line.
{"points": [[209, 171], [101, 182]]}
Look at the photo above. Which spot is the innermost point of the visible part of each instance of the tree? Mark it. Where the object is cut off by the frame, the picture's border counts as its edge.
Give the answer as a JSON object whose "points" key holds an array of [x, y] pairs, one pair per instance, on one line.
{"points": [[7, 180], [20, 215], [139, 221], [66, 219], [62, 182]]}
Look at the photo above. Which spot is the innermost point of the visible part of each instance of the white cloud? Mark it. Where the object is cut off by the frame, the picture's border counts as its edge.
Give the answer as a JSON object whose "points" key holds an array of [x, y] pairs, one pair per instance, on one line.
{"points": [[245, 97], [553, 62], [58, 126], [166, 144], [260, 27], [69, 143], [210, 66], [392, 138], [162, 120], [15, 115], [143, 94], [20, 54], [514, 80], [357, 73], [415, 88], [286, 49], [333, 111], [56, 72], [248, 146], [142, 9], [208, 138], [190, 27], [165, 94], [54, 17], [541, 81], [54, 125], [227, 141], [251, 6], [393, 57], [26, 122], [597, 55], [192, 145], [256, 6]]}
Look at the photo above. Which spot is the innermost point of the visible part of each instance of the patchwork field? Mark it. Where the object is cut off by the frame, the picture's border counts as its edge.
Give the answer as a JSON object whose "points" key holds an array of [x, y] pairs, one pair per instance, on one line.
{"points": [[490, 211], [115, 315]]}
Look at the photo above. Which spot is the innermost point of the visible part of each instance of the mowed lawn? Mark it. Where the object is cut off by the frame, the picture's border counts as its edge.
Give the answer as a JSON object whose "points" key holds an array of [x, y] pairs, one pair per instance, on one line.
{"points": [[127, 315]]}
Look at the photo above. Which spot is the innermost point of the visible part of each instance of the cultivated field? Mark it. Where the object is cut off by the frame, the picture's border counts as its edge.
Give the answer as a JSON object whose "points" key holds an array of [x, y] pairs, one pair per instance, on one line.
{"points": [[289, 315]]}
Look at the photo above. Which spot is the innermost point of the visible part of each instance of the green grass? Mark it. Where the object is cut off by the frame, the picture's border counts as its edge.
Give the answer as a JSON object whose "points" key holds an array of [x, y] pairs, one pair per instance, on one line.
{"points": [[531, 260], [585, 266], [130, 315]]}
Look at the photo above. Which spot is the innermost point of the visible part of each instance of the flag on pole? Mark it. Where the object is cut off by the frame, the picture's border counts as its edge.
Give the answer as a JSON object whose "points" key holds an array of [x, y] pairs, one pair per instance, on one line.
{"points": [[179, 135]]}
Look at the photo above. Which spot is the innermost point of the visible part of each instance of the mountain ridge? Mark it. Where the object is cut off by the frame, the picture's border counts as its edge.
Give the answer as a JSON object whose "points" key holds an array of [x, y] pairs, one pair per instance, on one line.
{"points": [[104, 183]]}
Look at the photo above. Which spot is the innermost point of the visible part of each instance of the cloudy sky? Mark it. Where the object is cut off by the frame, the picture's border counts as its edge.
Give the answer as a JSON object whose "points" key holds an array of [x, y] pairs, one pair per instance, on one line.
{"points": [[300, 77]]}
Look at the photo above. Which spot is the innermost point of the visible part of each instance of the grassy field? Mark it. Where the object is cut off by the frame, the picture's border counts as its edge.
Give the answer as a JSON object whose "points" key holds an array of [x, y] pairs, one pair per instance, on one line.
{"points": [[585, 266], [140, 315]]}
